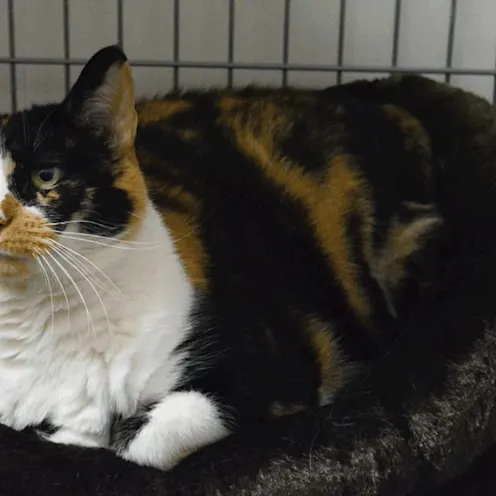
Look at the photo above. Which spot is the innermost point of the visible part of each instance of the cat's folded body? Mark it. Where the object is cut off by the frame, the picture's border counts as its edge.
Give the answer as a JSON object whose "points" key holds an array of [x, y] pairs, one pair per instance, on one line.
{"points": [[176, 269]]}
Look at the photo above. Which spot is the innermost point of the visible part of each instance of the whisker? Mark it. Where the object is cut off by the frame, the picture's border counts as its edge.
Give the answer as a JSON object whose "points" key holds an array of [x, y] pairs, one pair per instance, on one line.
{"points": [[109, 239], [108, 245], [74, 252], [87, 279], [63, 290], [89, 274], [88, 315], [38, 138], [140, 217], [191, 231], [98, 224], [49, 285], [24, 128]]}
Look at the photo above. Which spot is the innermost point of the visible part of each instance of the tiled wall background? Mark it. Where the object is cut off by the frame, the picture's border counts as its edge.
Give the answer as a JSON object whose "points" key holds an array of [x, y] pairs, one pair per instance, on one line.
{"points": [[148, 31]]}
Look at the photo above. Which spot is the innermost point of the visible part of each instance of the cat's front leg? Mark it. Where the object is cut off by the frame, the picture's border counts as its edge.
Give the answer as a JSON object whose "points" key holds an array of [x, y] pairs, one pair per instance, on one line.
{"points": [[163, 435], [87, 428]]}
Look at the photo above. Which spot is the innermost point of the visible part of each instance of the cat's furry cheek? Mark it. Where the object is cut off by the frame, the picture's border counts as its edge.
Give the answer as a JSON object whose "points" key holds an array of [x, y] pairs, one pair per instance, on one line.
{"points": [[180, 424]]}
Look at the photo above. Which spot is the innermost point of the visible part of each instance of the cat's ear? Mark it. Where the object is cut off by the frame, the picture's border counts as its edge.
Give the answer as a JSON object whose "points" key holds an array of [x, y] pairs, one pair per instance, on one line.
{"points": [[103, 97]]}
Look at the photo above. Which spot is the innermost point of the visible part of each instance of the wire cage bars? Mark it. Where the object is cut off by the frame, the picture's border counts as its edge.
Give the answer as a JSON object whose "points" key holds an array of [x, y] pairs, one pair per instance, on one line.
{"points": [[285, 66]]}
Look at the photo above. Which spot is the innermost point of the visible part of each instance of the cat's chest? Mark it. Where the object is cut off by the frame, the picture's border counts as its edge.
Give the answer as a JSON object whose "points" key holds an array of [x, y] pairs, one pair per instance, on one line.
{"points": [[80, 375]]}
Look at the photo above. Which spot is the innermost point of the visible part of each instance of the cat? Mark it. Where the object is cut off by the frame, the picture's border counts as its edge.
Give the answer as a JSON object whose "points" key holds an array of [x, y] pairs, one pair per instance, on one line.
{"points": [[176, 268]]}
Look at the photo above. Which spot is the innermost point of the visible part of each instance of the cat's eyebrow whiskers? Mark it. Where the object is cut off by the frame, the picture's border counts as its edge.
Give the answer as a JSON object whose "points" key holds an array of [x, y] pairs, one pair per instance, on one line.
{"points": [[25, 128], [38, 140]]}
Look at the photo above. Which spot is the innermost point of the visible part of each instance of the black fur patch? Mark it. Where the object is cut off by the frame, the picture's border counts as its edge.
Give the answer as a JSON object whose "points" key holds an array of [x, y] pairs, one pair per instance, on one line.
{"points": [[46, 428], [124, 429]]}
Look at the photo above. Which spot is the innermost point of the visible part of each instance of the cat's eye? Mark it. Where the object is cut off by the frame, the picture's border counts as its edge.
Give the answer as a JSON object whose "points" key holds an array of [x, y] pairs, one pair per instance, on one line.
{"points": [[46, 178]]}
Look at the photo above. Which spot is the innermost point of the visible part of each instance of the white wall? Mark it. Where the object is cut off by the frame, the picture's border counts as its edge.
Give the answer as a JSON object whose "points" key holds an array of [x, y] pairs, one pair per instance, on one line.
{"points": [[148, 33]]}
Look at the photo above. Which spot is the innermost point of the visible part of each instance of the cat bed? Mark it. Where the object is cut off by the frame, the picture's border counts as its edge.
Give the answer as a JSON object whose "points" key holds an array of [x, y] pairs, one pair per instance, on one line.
{"points": [[31, 468], [440, 445]]}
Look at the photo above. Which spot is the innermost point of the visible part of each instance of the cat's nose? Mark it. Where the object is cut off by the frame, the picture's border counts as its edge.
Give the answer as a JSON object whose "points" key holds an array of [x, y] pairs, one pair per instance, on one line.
{"points": [[9, 207], [4, 222], [3, 218]]}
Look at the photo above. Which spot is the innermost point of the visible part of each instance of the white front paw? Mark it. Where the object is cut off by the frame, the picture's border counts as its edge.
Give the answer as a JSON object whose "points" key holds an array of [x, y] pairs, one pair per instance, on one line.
{"points": [[180, 424]]}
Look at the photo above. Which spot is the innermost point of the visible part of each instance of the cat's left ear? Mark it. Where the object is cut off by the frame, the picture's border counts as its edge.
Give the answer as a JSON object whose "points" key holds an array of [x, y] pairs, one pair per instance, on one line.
{"points": [[102, 98]]}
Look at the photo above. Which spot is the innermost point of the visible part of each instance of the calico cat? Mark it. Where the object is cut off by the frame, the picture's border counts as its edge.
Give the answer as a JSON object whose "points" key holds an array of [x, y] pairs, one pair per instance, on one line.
{"points": [[177, 268]]}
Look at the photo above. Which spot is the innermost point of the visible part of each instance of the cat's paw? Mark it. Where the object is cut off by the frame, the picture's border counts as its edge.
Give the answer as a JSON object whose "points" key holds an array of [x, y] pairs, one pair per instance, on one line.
{"points": [[180, 424]]}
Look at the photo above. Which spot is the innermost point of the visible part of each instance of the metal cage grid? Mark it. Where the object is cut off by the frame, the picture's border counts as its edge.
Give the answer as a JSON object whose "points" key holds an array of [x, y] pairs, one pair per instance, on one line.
{"points": [[230, 65]]}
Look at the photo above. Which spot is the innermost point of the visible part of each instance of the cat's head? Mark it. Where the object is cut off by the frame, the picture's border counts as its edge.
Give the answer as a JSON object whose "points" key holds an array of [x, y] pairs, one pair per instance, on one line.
{"points": [[69, 170]]}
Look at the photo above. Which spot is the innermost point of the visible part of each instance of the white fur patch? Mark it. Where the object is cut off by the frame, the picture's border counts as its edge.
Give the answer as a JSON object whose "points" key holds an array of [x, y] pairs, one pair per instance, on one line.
{"points": [[181, 423], [66, 436], [75, 364], [4, 190]]}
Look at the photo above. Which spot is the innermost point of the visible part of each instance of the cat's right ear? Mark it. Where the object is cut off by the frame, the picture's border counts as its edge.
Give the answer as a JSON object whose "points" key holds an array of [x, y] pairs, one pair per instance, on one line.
{"points": [[102, 98]]}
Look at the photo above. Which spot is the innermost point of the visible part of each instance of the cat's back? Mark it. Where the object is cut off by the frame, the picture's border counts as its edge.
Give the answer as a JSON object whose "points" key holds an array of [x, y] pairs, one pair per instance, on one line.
{"points": [[308, 144], [299, 207], [288, 135]]}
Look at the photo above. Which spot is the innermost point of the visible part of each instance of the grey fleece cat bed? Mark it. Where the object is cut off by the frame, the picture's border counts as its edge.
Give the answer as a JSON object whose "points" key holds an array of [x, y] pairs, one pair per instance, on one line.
{"points": [[29, 469]]}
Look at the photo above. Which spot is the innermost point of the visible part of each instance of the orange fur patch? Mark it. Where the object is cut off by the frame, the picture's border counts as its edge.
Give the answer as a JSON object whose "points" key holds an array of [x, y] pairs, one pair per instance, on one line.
{"points": [[333, 372], [51, 196], [280, 410], [182, 228], [159, 110], [345, 192], [228, 103], [9, 169], [13, 268], [414, 135], [132, 182], [124, 121], [24, 235], [187, 201], [328, 202], [10, 207], [402, 241], [261, 119]]}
